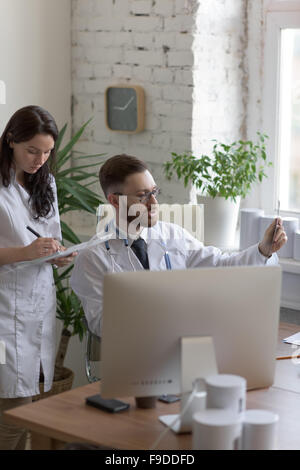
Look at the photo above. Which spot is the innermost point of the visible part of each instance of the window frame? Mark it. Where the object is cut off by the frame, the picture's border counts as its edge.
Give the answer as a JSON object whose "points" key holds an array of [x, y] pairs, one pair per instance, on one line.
{"points": [[278, 16]]}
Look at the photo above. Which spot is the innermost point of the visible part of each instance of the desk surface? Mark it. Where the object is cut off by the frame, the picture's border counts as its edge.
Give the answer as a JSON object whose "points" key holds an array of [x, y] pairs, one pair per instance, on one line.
{"points": [[66, 418], [285, 330]]}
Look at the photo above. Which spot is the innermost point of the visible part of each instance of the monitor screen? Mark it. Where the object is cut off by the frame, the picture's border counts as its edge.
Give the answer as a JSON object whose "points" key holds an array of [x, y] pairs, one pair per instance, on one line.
{"points": [[146, 314]]}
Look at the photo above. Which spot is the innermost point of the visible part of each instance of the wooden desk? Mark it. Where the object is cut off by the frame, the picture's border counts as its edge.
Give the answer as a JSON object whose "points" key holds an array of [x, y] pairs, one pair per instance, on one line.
{"points": [[65, 417], [285, 330]]}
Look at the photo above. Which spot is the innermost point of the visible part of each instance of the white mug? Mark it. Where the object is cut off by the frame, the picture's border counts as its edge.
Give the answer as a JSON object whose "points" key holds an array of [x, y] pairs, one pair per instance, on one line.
{"points": [[226, 391], [197, 403], [217, 429], [259, 430]]}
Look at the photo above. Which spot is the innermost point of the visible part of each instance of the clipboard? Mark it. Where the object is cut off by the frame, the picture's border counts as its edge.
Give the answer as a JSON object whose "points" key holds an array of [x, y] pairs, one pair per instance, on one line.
{"points": [[62, 254]]}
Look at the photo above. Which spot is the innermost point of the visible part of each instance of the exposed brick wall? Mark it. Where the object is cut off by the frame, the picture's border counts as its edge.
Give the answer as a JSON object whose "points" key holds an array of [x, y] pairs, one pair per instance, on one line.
{"points": [[190, 56], [220, 78], [141, 42]]}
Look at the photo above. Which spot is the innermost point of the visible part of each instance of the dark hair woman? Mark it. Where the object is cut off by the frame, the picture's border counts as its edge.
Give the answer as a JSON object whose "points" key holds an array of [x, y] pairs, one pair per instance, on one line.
{"points": [[27, 292], [24, 126]]}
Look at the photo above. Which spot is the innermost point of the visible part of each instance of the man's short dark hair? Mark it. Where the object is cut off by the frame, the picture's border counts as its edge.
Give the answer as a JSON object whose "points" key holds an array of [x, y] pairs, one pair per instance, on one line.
{"points": [[116, 169]]}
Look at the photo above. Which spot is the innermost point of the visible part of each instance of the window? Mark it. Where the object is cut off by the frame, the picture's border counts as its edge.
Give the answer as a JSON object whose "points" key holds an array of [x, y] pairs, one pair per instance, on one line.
{"points": [[282, 110], [289, 120]]}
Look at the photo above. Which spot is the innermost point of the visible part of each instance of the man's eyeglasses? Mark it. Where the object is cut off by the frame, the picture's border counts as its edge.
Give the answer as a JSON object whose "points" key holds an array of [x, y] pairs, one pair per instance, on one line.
{"points": [[145, 198]]}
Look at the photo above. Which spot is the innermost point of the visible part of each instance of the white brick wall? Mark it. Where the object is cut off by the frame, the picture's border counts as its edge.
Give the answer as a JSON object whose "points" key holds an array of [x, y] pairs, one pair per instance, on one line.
{"points": [[220, 90], [254, 72], [196, 85], [139, 42]]}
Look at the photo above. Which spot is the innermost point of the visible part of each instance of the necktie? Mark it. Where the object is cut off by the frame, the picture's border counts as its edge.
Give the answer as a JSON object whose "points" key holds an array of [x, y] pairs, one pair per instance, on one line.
{"points": [[139, 248]]}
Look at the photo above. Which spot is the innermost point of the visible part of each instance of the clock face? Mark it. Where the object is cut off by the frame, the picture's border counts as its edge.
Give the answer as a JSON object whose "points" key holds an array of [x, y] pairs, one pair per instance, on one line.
{"points": [[122, 109]]}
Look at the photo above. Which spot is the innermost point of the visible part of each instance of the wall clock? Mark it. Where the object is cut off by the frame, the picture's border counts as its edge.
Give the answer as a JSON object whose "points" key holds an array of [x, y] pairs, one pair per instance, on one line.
{"points": [[125, 108]]}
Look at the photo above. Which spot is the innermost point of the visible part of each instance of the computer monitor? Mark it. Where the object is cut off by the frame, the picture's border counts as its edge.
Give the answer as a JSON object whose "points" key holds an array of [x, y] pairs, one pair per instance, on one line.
{"points": [[146, 314]]}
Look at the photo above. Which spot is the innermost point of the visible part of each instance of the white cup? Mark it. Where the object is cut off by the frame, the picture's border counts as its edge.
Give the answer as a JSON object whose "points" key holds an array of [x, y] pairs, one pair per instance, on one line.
{"points": [[291, 225], [259, 430], [226, 391], [217, 429], [197, 403], [296, 248]]}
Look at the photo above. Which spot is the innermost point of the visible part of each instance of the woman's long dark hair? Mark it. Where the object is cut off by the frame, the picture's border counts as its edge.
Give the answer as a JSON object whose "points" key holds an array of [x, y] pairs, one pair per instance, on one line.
{"points": [[23, 126]]}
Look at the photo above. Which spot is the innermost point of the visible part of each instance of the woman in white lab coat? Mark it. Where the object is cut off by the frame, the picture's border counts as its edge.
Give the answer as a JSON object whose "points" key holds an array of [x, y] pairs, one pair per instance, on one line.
{"points": [[27, 293]]}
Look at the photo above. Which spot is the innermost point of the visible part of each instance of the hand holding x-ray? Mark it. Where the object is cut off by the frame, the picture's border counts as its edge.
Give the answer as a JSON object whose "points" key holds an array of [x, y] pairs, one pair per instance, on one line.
{"points": [[274, 238]]}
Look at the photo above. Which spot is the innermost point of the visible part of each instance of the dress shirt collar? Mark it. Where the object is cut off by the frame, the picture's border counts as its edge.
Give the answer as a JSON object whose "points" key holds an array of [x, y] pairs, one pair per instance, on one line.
{"points": [[125, 236]]}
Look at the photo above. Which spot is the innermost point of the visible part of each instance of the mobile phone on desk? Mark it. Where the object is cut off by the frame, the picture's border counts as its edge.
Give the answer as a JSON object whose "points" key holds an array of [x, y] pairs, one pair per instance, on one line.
{"points": [[110, 405], [169, 398]]}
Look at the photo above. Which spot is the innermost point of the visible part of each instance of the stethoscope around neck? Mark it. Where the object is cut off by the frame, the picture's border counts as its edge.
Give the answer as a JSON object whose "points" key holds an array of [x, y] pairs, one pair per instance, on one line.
{"points": [[126, 243]]}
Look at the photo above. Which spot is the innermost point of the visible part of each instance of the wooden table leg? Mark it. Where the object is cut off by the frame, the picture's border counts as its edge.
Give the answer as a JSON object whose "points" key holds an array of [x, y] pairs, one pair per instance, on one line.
{"points": [[41, 442]]}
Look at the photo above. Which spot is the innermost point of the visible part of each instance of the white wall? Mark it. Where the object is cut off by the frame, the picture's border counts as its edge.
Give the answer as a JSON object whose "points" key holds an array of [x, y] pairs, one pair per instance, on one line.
{"points": [[220, 82], [200, 64], [35, 52], [138, 42]]}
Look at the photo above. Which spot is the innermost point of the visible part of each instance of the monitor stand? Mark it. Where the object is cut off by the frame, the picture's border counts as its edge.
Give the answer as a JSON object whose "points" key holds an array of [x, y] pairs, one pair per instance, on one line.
{"points": [[198, 361], [145, 402]]}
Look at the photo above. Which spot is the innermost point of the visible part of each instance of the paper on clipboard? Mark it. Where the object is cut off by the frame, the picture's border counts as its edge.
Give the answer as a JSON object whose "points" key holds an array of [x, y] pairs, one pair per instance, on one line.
{"points": [[62, 254], [294, 339]]}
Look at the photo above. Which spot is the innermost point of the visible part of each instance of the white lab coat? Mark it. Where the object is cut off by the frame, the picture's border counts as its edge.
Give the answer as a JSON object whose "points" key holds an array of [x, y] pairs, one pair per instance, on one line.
{"points": [[184, 251], [27, 299]]}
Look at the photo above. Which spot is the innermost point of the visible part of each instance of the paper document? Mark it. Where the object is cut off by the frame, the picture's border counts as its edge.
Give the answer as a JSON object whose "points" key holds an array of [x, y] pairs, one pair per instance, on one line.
{"points": [[294, 339], [61, 254]]}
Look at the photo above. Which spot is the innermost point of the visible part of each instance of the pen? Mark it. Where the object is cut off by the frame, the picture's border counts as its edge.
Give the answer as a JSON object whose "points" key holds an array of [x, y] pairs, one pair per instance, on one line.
{"points": [[38, 236], [287, 357], [276, 226], [33, 231]]}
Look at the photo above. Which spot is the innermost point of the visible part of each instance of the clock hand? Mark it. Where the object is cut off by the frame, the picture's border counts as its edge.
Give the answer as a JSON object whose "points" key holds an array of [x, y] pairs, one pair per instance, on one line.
{"points": [[126, 106], [122, 108]]}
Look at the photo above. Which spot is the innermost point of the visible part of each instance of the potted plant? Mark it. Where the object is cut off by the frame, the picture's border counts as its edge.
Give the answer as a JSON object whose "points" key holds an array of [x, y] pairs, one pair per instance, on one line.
{"points": [[221, 180], [73, 193]]}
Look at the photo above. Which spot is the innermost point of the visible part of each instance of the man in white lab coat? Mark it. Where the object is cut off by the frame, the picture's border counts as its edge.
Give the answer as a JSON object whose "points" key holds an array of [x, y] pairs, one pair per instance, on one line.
{"points": [[130, 188]]}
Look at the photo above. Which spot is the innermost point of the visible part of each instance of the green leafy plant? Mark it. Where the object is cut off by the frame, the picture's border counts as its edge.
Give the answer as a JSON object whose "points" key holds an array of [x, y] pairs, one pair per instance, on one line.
{"points": [[73, 194], [229, 172]]}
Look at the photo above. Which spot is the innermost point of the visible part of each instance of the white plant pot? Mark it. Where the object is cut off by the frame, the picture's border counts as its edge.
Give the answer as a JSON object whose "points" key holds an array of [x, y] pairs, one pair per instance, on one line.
{"points": [[220, 221]]}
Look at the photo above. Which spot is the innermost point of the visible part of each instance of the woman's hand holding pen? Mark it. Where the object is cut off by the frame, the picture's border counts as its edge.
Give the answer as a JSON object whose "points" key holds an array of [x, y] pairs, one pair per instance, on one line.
{"points": [[41, 247], [274, 238], [47, 247]]}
